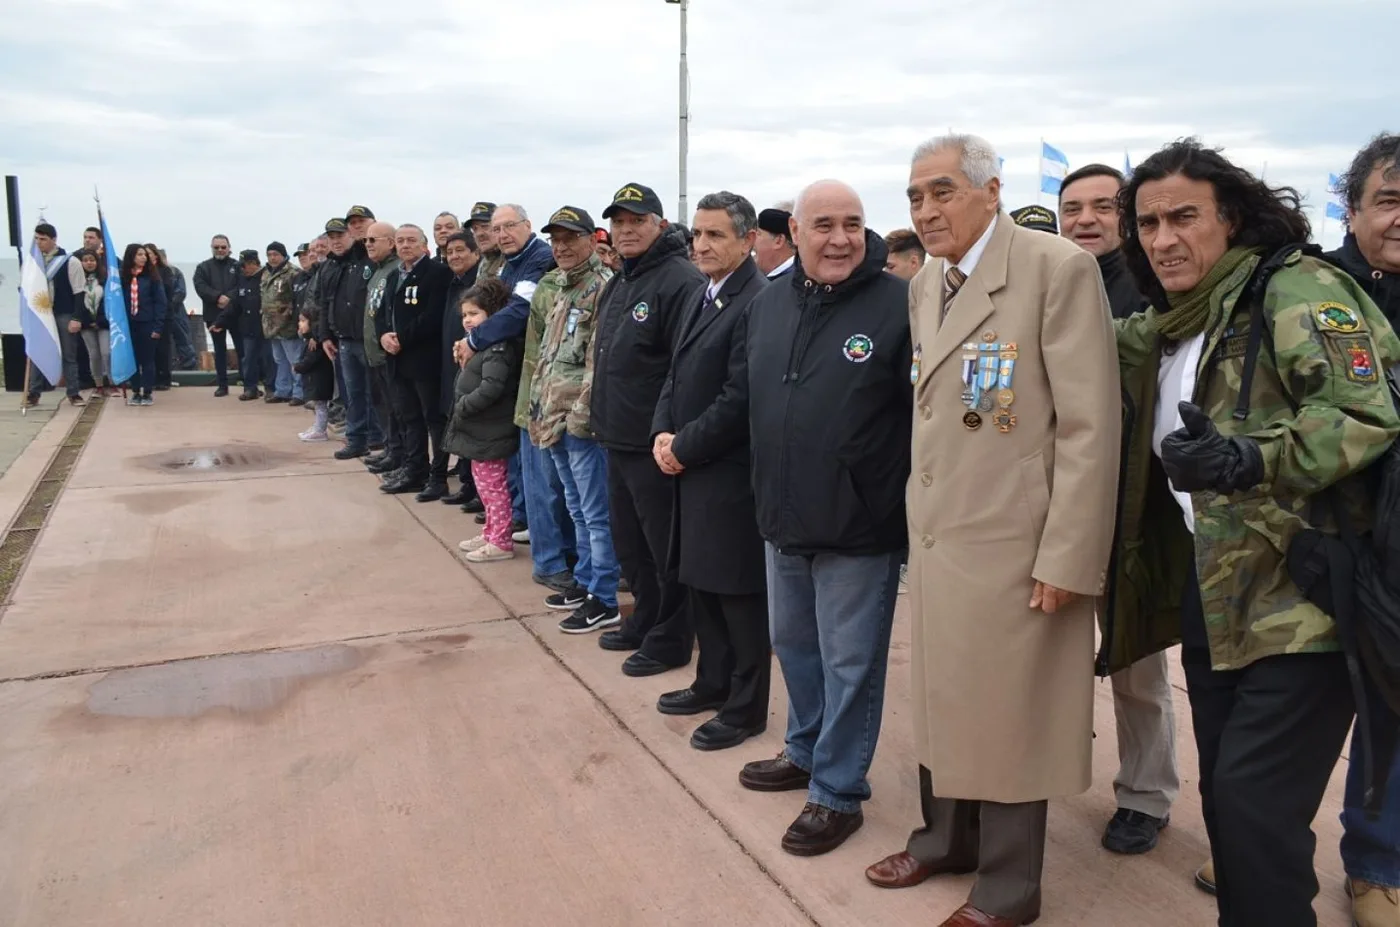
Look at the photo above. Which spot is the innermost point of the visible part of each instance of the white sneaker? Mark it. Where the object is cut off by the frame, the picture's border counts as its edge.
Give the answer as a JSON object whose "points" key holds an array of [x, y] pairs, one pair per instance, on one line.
{"points": [[312, 436], [521, 537], [472, 544], [489, 553]]}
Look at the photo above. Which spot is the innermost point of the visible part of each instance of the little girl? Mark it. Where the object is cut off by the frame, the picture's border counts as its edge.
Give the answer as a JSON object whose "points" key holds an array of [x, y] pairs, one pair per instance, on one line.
{"points": [[318, 378], [482, 428]]}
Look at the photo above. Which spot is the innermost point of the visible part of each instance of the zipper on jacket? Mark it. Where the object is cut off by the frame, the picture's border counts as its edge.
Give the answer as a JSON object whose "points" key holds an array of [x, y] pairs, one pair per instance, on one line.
{"points": [[1111, 587], [795, 351], [806, 323]]}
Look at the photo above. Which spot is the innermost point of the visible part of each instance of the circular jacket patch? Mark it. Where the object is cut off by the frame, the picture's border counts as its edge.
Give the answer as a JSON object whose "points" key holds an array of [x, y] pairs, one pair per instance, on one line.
{"points": [[640, 312], [1337, 317], [858, 349], [367, 272]]}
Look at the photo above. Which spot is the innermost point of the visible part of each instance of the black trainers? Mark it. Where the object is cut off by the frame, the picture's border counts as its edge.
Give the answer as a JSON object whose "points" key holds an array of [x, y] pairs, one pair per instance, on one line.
{"points": [[1132, 832], [590, 616], [568, 600]]}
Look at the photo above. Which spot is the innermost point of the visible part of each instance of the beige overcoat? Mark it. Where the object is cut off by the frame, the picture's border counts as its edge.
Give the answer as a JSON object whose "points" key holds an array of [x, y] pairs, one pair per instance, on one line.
{"points": [[1003, 695]]}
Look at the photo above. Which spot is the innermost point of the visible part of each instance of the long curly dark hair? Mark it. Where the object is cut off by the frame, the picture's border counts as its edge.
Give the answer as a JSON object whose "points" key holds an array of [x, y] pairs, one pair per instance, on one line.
{"points": [[128, 265], [1259, 216]]}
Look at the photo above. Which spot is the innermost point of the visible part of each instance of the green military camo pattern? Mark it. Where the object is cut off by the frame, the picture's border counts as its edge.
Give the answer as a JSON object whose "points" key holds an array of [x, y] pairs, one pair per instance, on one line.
{"points": [[279, 319], [1330, 347], [561, 382]]}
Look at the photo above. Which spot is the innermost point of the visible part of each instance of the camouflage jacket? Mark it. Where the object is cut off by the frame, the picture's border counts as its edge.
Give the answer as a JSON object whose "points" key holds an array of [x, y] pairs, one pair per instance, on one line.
{"points": [[561, 325], [374, 295], [279, 319], [490, 265], [1319, 411]]}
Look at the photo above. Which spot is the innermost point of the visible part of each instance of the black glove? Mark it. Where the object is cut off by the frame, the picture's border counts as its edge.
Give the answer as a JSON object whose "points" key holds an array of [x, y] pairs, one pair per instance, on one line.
{"points": [[1199, 457]]}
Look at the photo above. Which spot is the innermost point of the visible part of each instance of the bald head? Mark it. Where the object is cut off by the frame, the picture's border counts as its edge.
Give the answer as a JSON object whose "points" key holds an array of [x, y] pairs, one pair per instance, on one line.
{"points": [[828, 226], [379, 241]]}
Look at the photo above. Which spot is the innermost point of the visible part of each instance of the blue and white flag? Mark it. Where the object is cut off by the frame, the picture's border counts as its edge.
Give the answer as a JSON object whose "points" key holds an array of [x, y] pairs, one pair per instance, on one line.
{"points": [[36, 315], [1127, 167], [1335, 209], [114, 305], [1053, 168]]}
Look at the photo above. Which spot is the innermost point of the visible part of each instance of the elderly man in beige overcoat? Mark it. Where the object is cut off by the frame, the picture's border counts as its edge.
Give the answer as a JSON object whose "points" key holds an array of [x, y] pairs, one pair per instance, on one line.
{"points": [[1010, 505]]}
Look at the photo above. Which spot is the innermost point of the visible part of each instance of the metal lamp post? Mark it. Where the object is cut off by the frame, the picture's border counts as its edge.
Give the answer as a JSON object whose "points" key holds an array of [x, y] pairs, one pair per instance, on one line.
{"points": [[685, 110]]}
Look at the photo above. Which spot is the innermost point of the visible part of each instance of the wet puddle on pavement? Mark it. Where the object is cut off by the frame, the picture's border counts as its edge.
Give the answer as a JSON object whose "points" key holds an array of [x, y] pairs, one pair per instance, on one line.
{"points": [[229, 458]]}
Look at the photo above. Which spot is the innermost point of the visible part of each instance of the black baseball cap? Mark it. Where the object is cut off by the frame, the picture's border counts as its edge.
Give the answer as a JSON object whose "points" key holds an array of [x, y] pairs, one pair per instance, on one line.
{"points": [[1036, 217], [303, 248], [635, 198], [358, 212], [250, 256], [573, 219], [481, 212], [336, 225]]}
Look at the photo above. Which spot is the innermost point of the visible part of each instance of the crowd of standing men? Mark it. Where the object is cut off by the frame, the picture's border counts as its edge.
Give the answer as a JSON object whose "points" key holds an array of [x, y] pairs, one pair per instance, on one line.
{"points": [[755, 422]]}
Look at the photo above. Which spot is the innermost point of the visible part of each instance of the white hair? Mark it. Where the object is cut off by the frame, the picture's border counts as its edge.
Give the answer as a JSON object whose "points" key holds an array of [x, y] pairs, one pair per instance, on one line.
{"points": [[799, 207], [519, 211], [978, 159]]}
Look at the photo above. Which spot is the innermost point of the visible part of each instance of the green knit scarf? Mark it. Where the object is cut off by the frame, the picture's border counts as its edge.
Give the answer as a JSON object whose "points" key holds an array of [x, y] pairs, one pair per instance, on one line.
{"points": [[1190, 311]]}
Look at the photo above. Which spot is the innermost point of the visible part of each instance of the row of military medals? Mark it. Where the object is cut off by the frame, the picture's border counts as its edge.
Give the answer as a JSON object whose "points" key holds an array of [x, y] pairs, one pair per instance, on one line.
{"points": [[987, 369]]}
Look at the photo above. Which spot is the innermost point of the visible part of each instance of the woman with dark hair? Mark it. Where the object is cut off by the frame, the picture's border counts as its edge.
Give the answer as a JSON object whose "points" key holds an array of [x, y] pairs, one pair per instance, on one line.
{"points": [[145, 312], [164, 346], [88, 312], [1216, 486]]}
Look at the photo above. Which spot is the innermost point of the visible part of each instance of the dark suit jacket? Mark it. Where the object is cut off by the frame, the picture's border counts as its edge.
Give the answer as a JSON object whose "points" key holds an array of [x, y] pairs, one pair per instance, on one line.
{"points": [[413, 307], [715, 544]]}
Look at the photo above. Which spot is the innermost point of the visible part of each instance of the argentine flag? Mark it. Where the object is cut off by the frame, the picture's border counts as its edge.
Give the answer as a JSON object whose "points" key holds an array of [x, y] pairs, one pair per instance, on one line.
{"points": [[114, 305], [1127, 167], [1053, 168], [36, 315], [1335, 209]]}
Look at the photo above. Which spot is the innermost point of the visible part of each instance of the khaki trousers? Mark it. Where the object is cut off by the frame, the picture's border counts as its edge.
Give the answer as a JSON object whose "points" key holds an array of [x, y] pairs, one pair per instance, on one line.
{"points": [[1142, 705]]}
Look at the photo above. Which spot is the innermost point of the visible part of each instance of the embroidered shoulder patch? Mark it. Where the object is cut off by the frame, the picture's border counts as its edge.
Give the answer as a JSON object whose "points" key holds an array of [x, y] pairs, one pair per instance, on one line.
{"points": [[1337, 317], [1359, 359]]}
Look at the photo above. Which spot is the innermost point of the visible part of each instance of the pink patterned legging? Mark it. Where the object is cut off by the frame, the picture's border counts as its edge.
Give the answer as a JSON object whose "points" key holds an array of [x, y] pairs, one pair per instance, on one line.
{"points": [[490, 477]]}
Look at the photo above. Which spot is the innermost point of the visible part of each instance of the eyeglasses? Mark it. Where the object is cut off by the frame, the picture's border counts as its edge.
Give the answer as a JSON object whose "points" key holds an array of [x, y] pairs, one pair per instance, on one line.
{"points": [[498, 229], [372, 239]]}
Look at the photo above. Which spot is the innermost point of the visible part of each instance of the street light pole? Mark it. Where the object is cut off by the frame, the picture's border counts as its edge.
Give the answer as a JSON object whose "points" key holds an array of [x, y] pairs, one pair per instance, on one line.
{"points": [[685, 111]]}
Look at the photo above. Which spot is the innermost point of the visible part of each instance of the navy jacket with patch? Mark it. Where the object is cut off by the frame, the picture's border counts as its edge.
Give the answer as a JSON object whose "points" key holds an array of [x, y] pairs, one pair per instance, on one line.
{"points": [[830, 410], [522, 273], [639, 314]]}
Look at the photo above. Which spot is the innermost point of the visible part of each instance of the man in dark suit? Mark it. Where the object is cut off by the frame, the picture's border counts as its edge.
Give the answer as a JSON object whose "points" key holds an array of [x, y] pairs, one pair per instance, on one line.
{"points": [[702, 439], [409, 327]]}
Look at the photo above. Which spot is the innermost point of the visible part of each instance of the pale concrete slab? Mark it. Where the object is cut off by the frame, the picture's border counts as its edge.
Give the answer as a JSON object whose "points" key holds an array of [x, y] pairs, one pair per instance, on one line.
{"points": [[27, 444], [134, 574], [460, 778]]}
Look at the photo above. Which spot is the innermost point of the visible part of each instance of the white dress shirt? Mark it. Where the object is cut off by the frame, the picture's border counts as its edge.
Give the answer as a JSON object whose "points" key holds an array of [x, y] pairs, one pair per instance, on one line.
{"points": [[781, 268], [974, 254], [715, 286], [1176, 382]]}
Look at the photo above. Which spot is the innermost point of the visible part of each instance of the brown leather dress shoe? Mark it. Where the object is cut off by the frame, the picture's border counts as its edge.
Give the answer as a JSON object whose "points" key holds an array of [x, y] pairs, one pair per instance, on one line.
{"points": [[899, 871], [775, 775], [819, 830], [968, 916]]}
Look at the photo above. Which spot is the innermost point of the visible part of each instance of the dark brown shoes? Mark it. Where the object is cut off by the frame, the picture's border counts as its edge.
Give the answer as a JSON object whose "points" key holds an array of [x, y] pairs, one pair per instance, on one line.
{"points": [[819, 830], [968, 916], [776, 775]]}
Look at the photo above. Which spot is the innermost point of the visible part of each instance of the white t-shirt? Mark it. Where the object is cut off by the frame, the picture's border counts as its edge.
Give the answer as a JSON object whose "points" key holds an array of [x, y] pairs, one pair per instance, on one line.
{"points": [[1176, 382]]}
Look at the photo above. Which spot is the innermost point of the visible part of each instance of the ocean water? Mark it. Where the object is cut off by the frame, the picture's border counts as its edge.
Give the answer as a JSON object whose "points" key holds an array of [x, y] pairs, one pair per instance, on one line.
{"points": [[9, 292]]}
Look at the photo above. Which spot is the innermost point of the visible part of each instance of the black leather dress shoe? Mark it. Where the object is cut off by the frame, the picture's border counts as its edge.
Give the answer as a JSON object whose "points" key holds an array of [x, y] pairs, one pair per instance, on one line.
{"points": [[688, 702], [350, 453], [432, 492], [474, 506], [819, 829], [776, 775], [374, 458], [639, 664], [385, 465], [460, 497], [616, 640], [404, 484], [480, 518], [714, 734]]}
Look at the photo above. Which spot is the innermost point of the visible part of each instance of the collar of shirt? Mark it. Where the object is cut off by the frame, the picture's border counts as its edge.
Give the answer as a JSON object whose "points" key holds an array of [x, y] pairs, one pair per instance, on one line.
{"points": [[974, 254], [713, 289], [408, 268], [782, 267]]}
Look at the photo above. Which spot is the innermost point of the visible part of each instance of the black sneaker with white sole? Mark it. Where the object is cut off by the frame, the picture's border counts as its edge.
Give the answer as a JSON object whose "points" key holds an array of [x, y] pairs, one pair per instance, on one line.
{"points": [[568, 600], [590, 616]]}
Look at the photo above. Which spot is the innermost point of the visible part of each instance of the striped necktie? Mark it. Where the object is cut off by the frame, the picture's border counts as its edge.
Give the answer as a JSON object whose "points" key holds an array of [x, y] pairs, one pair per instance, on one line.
{"points": [[953, 279]]}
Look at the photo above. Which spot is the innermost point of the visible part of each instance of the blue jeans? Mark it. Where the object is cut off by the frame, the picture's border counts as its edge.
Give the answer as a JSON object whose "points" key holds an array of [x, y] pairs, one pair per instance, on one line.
{"points": [[544, 509], [516, 484], [177, 329], [286, 352], [582, 468], [830, 617], [361, 427], [1371, 849], [250, 362]]}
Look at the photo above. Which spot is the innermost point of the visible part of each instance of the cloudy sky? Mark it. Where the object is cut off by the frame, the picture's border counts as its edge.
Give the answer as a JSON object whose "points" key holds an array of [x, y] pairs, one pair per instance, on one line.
{"points": [[262, 118]]}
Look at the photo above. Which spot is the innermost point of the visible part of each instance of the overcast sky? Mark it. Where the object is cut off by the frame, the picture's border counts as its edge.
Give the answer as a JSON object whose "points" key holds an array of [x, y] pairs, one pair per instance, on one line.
{"points": [[195, 117]]}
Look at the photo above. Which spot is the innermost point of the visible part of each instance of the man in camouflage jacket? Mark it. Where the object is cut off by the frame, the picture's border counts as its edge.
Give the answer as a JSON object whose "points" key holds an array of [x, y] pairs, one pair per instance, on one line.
{"points": [[279, 322], [1210, 504], [554, 397]]}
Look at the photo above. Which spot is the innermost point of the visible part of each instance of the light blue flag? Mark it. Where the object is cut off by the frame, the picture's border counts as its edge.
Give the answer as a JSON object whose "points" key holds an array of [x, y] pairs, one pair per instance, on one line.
{"points": [[1335, 209], [36, 313], [1127, 167], [1053, 168], [114, 305]]}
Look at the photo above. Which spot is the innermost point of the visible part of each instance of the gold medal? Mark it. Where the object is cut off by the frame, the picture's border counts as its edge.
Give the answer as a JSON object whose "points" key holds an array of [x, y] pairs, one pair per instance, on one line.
{"points": [[1005, 397], [989, 335], [972, 421], [1004, 421]]}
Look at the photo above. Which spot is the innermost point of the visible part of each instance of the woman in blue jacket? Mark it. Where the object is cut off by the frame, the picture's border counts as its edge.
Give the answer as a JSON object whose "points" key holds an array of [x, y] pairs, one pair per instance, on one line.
{"points": [[145, 311]]}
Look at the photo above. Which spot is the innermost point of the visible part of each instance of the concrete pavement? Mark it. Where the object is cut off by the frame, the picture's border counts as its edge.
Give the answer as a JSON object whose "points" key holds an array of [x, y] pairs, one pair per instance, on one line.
{"points": [[242, 687]]}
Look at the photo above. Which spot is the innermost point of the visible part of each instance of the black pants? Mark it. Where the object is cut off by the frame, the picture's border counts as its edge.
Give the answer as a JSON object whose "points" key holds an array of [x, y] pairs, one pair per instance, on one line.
{"points": [[735, 655], [420, 416], [163, 352], [1268, 736], [639, 502], [382, 395], [143, 346], [219, 342]]}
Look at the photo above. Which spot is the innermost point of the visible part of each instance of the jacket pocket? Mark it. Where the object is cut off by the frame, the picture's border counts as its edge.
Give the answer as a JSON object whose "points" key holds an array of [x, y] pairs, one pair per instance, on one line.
{"points": [[1037, 492]]}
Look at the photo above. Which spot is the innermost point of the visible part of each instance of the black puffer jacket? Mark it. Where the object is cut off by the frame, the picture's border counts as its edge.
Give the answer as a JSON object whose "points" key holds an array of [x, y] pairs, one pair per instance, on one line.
{"points": [[830, 409], [483, 412], [1383, 288], [341, 289], [638, 316]]}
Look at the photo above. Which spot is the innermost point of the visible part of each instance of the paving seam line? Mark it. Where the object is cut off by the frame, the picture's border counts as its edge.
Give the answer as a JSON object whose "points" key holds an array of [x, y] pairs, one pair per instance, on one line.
{"points": [[22, 533]]}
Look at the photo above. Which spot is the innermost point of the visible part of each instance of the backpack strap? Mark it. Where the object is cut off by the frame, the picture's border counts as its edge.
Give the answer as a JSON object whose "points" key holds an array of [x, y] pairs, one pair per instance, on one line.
{"points": [[1255, 290]]}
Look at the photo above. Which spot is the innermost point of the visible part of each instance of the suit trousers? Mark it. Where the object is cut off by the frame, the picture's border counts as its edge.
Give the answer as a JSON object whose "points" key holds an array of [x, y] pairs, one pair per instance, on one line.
{"points": [[1147, 778], [420, 416], [735, 657], [1003, 843], [382, 395], [640, 498], [1268, 736]]}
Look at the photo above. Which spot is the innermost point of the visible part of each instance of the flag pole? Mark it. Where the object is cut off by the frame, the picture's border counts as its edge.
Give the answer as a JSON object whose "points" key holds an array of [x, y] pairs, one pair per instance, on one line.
{"points": [[1040, 170]]}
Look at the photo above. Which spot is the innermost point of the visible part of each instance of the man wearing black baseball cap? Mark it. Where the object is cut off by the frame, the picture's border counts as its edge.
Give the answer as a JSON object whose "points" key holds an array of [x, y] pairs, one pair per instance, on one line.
{"points": [[1036, 217], [634, 336], [479, 221], [358, 219], [341, 289], [773, 251]]}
